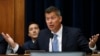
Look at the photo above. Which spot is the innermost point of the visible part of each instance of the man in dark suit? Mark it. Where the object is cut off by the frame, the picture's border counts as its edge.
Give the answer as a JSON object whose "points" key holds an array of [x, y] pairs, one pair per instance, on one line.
{"points": [[67, 39]]}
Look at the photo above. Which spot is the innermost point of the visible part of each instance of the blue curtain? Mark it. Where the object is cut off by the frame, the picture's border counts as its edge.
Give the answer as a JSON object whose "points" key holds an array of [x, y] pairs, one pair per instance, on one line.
{"points": [[83, 14]]}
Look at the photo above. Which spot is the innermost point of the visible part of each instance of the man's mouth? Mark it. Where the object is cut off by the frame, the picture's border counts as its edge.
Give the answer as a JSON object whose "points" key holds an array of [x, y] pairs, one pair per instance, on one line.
{"points": [[51, 26]]}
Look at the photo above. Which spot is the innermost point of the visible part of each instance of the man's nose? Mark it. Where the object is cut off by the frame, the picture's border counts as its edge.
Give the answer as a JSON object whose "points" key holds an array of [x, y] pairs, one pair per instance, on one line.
{"points": [[34, 31], [50, 21]]}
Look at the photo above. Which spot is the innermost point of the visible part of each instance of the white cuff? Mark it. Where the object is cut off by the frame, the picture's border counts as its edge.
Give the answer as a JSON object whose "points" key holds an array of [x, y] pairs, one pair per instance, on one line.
{"points": [[16, 48], [93, 49]]}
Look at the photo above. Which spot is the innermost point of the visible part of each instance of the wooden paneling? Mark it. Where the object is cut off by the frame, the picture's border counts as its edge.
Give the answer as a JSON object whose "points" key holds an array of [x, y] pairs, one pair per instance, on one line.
{"points": [[12, 19], [19, 21], [7, 16]]}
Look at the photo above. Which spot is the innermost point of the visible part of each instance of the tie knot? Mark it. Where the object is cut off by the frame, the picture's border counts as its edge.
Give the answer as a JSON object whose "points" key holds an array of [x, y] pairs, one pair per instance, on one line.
{"points": [[55, 35]]}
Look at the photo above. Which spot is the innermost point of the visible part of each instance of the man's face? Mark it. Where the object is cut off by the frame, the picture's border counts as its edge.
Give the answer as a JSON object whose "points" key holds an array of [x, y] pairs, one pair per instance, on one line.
{"points": [[33, 30], [53, 21]]}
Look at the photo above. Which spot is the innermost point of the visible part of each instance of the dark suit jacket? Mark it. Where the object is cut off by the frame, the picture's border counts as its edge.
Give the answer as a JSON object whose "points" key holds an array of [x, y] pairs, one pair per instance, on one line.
{"points": [[3, 45], [28, 45], [72, 40]]}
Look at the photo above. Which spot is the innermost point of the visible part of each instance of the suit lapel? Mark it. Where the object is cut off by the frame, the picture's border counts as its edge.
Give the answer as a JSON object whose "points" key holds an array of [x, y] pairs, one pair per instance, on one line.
{"points": [[64, 38], [47, 40]]}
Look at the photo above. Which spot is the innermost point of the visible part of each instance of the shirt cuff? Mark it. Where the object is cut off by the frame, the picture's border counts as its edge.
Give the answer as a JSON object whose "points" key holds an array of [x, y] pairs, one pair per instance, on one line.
{"points": [[16, 48], [93, 49]]}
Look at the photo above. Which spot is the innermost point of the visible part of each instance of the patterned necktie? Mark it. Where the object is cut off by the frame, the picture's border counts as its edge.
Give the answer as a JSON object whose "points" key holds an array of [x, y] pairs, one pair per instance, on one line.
{"points": [[55, 43]]}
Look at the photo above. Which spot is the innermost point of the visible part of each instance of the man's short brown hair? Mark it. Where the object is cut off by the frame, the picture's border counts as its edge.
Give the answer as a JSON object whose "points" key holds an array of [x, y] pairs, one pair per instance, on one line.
{"points": [[53, 9]]}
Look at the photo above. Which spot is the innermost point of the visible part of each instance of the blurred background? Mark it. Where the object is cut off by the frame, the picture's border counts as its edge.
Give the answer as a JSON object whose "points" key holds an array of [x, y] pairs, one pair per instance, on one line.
{"points": [[83, 14]]}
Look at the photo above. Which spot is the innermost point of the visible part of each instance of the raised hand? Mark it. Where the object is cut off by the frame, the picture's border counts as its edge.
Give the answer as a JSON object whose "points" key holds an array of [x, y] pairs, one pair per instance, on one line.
{"points": [[9, 39], [93, 40]]}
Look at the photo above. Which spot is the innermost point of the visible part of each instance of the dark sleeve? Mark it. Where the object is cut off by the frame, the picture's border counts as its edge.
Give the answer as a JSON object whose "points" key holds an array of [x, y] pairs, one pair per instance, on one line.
{"points": [[20, 50], [26, 46], [83, 42], [35, 46], [3, 45]]}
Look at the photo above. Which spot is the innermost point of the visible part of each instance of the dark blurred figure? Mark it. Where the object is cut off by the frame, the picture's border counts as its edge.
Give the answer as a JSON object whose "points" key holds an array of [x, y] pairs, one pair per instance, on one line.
{"points": [[3, 45]]}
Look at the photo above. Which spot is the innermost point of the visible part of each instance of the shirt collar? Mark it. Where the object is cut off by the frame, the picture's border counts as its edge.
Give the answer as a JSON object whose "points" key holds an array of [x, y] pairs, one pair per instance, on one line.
{"points": [[33, 41]]}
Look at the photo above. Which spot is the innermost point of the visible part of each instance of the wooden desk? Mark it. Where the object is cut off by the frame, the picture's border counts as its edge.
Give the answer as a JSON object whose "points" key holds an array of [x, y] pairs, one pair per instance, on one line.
{"points": [[29, 55], [15, 55], [95, 55]]}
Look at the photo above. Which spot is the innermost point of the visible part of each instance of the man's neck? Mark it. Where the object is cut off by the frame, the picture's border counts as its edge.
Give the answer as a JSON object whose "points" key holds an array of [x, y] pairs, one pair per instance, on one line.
{"points": [[60, 28], [56, 30]]}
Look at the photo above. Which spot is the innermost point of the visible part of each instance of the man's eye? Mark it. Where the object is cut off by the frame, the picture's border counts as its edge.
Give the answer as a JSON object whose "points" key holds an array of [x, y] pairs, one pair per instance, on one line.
{"points": [[31, 29]]}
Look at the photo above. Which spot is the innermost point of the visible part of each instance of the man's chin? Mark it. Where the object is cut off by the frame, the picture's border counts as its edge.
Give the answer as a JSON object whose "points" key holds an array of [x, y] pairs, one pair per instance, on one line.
{"points": [[51, 29], [34, 37]]}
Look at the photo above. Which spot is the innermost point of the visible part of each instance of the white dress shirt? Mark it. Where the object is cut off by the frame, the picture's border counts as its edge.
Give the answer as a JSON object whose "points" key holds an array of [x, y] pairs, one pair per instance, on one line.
{"points": [[59, 33]]}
